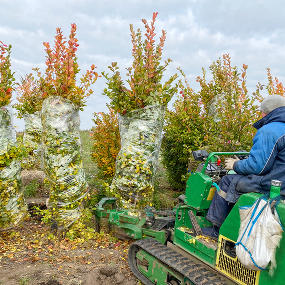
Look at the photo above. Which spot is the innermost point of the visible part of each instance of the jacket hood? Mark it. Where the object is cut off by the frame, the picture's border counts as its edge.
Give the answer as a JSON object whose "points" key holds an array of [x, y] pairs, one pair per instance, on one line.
{"points": [[277, 115]]}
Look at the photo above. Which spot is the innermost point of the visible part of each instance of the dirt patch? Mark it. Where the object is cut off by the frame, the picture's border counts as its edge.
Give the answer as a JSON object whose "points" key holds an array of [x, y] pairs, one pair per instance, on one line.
{"points": [[71, 272], [28, 176], [108, 275], [29, 257]]}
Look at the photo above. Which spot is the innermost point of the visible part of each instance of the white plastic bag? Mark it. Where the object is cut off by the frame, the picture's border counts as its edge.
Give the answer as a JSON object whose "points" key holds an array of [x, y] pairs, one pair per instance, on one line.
{"points": [[65, 176], [33, 138], [141, 136], [259, 235], [12, 205]]}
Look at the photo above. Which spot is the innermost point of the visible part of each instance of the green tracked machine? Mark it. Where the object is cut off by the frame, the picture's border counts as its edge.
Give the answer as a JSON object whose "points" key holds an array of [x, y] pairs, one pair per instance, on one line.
{"points": [[170, 247]]}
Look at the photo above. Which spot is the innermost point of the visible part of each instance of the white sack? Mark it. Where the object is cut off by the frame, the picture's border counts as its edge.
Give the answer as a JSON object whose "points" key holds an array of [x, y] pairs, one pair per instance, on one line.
{"points": [[259, 235]]}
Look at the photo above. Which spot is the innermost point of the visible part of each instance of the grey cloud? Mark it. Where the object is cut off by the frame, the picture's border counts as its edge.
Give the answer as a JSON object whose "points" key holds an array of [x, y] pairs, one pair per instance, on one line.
{"points": [[241, 17], [198, 32]]}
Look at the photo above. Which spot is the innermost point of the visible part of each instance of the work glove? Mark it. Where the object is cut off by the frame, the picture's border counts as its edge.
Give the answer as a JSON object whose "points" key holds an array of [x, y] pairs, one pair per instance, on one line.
{"points": [[229, 163]]}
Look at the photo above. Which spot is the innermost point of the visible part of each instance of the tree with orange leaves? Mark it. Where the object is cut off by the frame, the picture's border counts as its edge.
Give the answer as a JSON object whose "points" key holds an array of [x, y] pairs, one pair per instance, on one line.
{"points": [[217, 117], [61, 130], [61, 70], [274, 86], [106, 142], [141, 108], [144, 76], [7, 80]]}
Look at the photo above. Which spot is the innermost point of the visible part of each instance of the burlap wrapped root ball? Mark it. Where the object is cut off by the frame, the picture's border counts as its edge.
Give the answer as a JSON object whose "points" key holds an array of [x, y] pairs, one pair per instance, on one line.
{"points": [[63, 166], [136, 163], [33, 138], [12, 205]]}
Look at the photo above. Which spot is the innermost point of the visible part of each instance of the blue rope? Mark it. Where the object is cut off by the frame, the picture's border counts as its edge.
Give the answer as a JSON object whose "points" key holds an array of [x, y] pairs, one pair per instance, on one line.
{"points": [[261, 268], [255, 220], [252, 215], [265, 197], [216, 185]]}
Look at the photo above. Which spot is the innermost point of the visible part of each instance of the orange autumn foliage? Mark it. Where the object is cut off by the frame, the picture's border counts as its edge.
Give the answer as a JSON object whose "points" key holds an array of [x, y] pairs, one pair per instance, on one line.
{"points": [[217, 117], [30, 96], [106, 142], [7, 79], [62, 68], [274, 86], [145, 76]]}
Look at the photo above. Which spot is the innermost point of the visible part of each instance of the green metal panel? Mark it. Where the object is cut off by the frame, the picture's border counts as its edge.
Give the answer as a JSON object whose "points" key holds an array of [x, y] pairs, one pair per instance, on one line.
{"points": [[197, 191], [155, 270], [182, 217], [160, 236], [194, 246], [105, 201], [132, 225], [102, 211], [184, 239]]}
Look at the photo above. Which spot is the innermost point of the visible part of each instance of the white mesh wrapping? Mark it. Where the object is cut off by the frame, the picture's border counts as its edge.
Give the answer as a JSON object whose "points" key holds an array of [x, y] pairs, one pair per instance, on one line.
{"points": [[32, 137], [141, 135], [12, 204], [62, 160]]}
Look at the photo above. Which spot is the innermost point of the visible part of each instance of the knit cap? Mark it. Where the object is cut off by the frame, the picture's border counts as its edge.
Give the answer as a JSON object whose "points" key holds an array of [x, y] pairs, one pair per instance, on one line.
{"points": [[272, 102]]}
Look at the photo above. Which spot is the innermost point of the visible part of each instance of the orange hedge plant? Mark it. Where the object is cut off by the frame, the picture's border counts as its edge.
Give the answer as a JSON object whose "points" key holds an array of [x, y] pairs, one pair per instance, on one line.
{"points": [[62, 68], [217, 117], [30, 96], [274, 86], [7, 80], [144, 77], [106, 142]]}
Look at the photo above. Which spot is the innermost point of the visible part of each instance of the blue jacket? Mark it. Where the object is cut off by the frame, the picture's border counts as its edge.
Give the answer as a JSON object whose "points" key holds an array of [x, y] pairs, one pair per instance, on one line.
{"points": [[266, 160]]}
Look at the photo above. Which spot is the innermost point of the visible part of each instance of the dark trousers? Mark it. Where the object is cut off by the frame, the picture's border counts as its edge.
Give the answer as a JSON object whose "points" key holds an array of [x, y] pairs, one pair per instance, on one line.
{"points": [[232, 187], [220, 208]]}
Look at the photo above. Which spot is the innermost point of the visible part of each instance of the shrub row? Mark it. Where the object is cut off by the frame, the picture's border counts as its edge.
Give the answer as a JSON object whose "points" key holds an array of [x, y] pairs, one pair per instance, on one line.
{"points": [[217, 117]]}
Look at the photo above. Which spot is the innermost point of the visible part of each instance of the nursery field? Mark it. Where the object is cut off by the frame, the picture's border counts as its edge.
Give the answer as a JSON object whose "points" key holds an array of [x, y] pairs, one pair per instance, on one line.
{"points": [[31, 255], [133, 153]]}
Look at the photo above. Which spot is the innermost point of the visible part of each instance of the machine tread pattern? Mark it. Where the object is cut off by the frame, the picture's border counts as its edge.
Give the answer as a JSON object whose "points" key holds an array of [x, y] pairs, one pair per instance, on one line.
{"points": [[194, 223], [196, 272]]}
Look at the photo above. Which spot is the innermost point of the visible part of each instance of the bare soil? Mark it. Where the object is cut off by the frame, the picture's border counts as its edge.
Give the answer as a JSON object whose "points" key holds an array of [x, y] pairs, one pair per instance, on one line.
{"points": [[28, 257]]}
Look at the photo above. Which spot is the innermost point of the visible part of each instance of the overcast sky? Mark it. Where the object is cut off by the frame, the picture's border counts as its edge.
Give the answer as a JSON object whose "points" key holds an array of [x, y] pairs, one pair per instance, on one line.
{"points": [[198, 32]]}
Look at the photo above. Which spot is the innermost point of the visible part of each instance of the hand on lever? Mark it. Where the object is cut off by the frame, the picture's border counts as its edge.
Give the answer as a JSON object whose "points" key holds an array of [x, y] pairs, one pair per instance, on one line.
{"points": [[229, 163]]}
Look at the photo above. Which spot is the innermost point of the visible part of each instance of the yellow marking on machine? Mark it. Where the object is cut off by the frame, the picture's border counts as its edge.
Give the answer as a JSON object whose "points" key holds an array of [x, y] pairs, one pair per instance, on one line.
{"points": [[192, 240], [211, 193], [231, 267]]}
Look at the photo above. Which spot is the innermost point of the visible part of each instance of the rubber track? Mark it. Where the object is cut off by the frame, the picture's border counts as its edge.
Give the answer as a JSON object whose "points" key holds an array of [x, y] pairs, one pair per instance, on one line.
{"points": [[196, 272]]}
